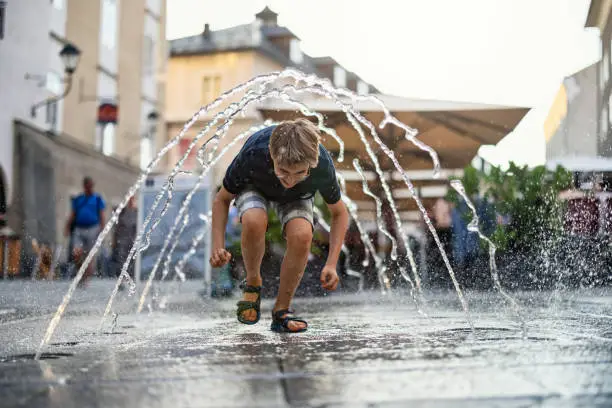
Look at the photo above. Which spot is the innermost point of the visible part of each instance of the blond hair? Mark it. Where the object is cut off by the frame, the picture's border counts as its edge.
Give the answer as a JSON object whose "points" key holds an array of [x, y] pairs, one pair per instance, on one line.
{"points": [[295, 142]]}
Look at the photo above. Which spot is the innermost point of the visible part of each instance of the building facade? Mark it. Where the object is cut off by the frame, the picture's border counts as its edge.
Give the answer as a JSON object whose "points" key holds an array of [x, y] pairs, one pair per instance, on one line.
{"points": [[571, 126], [599, 16], [203, 66], [123, 58], [23, 81]]}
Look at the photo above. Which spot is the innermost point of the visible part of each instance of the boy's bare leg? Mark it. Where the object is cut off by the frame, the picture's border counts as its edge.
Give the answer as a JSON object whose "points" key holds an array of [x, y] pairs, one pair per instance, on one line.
{"points": [[298, 233], [253, 241]]}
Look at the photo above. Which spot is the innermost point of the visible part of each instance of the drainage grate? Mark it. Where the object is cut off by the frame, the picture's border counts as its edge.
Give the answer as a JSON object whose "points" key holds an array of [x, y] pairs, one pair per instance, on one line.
{"points": [[65, 344], [18, 358]]}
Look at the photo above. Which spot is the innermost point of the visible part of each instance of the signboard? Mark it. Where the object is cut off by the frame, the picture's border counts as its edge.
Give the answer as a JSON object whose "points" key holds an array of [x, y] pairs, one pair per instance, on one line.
{"points": [[197, 266], [108, 113]]}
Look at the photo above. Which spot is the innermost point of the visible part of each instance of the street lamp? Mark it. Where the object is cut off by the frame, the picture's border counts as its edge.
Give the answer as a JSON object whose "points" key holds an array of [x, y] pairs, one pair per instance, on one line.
{"points": [[70, 56]]}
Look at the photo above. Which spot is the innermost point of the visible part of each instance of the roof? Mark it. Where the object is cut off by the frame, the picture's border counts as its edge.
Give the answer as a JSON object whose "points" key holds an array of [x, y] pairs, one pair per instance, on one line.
{"points": [[392, 102], [327, 60], [324, 60], [277, 31], [455, 130], [266, 13], [256, 37], [591, 20], [238, 38]]}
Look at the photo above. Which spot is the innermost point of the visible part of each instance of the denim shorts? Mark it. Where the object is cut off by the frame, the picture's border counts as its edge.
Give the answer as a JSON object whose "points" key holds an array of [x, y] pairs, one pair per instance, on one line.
{"points": [[85, 237], [286, 212]]}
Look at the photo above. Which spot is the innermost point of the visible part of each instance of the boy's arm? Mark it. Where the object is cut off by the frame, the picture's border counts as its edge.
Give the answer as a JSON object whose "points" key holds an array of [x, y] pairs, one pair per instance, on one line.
{"points": [[338, 228], [220, 210]]}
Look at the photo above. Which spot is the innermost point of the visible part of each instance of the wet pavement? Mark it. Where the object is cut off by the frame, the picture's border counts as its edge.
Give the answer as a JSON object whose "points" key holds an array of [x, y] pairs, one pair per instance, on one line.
{"points": [[364, 350]]}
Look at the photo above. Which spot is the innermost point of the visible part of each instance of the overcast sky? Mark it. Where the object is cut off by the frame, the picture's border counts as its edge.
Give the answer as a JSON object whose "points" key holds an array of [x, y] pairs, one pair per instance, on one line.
{"points": [[512, 52]]}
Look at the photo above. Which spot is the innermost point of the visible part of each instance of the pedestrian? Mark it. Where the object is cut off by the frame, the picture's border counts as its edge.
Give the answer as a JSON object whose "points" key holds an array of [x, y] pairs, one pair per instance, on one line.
{"points": [[84, 224], [124, 236], [281, 167]]}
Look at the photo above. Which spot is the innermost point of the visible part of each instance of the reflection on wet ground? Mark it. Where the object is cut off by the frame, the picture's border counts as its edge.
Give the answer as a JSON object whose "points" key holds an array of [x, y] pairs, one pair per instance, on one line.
{"points": [[360, 350]]}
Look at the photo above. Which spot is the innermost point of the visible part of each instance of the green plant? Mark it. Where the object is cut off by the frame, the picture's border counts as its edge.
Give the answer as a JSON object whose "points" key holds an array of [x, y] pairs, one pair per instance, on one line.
{"points": [[527, 198], [274, 234]]}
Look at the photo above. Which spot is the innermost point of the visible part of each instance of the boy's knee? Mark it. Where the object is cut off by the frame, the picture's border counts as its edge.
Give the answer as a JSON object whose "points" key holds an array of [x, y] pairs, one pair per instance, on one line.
{"points": [[299, 233], [254, 221]]}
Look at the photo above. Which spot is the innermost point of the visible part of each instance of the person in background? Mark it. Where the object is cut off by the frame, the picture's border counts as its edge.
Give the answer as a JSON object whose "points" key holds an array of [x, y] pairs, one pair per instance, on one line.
{"points": [[125, 234], [84, 224]]}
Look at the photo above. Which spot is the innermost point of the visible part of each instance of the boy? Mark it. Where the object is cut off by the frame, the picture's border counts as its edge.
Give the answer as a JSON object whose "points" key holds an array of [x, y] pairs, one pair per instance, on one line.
{"points": [[283, 167]]}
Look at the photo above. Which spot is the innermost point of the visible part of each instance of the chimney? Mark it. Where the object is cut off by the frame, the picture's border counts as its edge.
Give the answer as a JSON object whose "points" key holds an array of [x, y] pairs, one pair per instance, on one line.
{"points": [[206, 32]]}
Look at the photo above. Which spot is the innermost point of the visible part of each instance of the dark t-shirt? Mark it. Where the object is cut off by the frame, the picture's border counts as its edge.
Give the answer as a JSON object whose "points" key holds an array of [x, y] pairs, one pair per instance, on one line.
{"points": [[253, 168]]}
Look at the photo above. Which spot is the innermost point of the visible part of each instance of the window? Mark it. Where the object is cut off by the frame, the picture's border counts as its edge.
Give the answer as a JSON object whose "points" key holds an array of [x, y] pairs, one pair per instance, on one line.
{"points": [[154, 6], [98, 140], [608, 108], [608, 64], [602, 79], [362, 88], [148, 60], [603, 131], [51, 114], [606, 69], [2, 17], [109, 23], [339, 77], [146, 152], [295, 52], [108, 139], [211, 88]]}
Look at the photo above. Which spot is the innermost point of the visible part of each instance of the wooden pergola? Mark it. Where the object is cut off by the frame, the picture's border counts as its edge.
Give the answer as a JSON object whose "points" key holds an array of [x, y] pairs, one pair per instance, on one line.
{"points": [[455, 130]]}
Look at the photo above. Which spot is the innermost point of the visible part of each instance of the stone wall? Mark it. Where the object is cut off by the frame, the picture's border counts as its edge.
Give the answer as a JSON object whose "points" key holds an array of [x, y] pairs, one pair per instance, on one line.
{"points": [[49, 169]]}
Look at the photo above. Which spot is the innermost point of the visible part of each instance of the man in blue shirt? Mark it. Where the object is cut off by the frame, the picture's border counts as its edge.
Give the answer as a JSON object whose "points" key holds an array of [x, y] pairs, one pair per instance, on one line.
{"points": [[84, 224], [281, 168]]}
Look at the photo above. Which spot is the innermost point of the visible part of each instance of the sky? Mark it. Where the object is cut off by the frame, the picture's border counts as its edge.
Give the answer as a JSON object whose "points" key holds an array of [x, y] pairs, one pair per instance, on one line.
{"points": [[503, 52]]}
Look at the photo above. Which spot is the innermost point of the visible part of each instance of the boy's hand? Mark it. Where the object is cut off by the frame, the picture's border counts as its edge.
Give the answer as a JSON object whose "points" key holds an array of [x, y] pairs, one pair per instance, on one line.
{"points": [[219, 257], [329, 278]]}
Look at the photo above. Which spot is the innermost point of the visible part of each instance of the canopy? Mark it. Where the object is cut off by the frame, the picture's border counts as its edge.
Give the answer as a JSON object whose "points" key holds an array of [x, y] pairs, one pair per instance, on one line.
{"points": [[456, 130]]}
